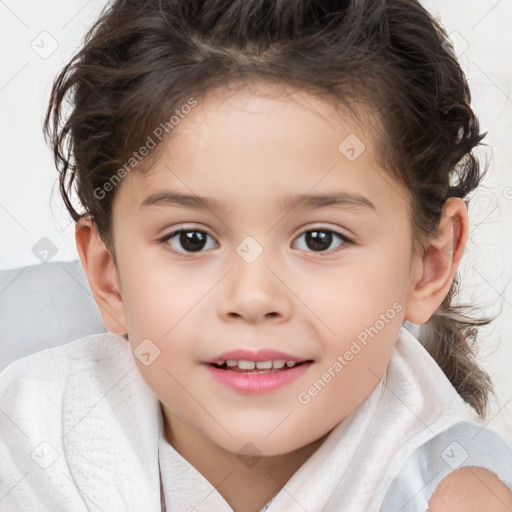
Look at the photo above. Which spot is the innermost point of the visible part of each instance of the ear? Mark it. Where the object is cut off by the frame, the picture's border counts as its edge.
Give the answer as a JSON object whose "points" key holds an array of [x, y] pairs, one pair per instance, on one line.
{"points": [[102, 275], [438, 264]]}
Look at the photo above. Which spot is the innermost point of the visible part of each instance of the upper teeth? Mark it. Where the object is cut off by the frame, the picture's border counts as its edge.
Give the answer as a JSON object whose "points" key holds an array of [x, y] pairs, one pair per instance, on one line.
{"points": [[244, 364]]}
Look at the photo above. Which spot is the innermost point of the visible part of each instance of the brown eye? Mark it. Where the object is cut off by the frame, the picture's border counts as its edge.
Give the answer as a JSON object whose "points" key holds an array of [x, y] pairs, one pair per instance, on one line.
{"points": [[187, 241], [318, 240], [321, 240]]}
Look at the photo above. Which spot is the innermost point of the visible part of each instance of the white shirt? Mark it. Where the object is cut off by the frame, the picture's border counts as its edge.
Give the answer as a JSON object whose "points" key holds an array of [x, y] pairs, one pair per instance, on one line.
{"points": [[81, 431]]}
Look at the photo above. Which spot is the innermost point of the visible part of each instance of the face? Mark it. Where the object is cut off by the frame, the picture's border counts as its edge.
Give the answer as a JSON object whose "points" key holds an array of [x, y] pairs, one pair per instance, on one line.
{"points": [[298, 252]]}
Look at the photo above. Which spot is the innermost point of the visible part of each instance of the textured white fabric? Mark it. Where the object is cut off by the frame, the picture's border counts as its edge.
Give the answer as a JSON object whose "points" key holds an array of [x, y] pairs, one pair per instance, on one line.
{"points": [[80, 430]]}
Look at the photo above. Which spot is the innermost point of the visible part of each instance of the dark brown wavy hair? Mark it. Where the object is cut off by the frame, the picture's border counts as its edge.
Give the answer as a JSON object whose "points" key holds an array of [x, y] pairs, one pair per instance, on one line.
{"points": [[144, 59]]}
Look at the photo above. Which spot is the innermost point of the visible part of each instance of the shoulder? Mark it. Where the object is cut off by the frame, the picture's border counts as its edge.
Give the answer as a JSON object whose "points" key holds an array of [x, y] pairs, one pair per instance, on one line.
{"points": [[73, 353], [50, 370], [471, 489], [46, 393], [464, 463]]}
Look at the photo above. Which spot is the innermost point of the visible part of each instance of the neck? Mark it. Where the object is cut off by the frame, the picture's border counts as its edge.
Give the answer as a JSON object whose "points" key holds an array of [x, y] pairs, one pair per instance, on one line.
{"points": [[245, 483]]}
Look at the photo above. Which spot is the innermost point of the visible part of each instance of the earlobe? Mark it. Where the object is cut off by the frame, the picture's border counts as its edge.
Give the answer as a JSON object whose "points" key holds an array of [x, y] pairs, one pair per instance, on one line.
{"points": [[102, 275], [439, 262]]}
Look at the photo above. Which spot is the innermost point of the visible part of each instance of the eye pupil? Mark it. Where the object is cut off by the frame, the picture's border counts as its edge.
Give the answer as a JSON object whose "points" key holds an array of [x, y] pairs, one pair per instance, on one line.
{"points": [[318, 240], [192, 241]]}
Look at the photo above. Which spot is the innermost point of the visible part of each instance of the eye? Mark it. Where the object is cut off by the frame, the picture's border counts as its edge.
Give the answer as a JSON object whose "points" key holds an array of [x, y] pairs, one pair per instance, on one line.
{"points": [[190, 240], [320, 240]]}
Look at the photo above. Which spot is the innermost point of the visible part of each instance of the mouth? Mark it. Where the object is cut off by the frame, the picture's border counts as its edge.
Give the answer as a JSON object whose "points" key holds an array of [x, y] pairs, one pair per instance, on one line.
{"points": [[257, 367], [257, 377], [257, 372]]}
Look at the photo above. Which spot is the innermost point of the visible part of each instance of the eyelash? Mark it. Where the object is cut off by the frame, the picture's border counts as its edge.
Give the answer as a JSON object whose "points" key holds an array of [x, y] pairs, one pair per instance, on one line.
{"points": [[342, 238]]}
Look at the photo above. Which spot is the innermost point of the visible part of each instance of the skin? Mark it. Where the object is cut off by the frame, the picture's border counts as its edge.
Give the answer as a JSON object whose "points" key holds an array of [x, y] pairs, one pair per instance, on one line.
{"points": [[248, 149], [471, 489]]}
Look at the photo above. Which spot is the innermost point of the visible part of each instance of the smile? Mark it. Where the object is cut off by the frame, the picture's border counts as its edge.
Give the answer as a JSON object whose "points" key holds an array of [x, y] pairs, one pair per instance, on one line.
{"points": [[246, 377], [244, 365]]}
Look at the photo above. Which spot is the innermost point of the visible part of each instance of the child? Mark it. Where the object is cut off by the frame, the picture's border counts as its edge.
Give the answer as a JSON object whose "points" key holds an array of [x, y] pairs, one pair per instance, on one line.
{"points": [[271, 190]]}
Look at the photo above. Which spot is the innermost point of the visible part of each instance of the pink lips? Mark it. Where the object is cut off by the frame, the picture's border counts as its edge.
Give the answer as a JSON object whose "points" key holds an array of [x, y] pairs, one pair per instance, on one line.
{"points": [[254, 383], [259, 355], [257, 383]]}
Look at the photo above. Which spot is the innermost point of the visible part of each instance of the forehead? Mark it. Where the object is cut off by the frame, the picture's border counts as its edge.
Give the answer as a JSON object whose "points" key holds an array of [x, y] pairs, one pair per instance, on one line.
{"points": [[261, 137], [273, 106]]}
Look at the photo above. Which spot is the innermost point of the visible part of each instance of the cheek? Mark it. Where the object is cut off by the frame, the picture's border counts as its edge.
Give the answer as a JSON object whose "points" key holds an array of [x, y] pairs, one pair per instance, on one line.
{"points": [[157, 296], [354, 297], [363, 310]]}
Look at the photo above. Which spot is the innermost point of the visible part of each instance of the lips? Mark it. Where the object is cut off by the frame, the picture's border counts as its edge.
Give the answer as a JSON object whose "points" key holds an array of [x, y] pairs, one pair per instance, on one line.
{"points": [[259, 355], [257, 381], [262, 361]]}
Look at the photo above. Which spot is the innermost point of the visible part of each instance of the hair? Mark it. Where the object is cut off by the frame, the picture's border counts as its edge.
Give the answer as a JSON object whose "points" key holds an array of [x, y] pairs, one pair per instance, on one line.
{"points": [[142, 61]]}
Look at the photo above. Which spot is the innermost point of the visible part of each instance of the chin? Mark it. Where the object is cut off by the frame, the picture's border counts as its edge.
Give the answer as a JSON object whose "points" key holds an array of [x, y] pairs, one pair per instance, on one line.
{"points": [[251, 445]]}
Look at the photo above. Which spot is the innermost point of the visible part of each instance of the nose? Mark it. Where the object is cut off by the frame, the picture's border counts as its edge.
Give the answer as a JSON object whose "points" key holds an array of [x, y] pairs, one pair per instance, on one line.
{"points": [[254, 292]]}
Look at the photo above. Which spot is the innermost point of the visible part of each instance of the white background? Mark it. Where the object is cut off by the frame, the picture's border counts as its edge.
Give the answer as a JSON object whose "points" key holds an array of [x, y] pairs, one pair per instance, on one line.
{"points": [[29, 210]]}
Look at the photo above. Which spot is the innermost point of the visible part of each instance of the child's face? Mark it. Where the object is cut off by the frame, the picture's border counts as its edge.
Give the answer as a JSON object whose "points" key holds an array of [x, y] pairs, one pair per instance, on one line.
{"points": [[314, 297]]}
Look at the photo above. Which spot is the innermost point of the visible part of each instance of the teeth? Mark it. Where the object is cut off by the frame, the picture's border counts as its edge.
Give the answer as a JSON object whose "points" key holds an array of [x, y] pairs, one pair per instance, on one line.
{"points": [[244, 364], [264, 365]]}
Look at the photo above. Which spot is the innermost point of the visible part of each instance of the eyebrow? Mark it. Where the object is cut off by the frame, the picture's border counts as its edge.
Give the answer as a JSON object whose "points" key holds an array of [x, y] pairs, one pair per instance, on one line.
{"points": [[306, 201]]}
